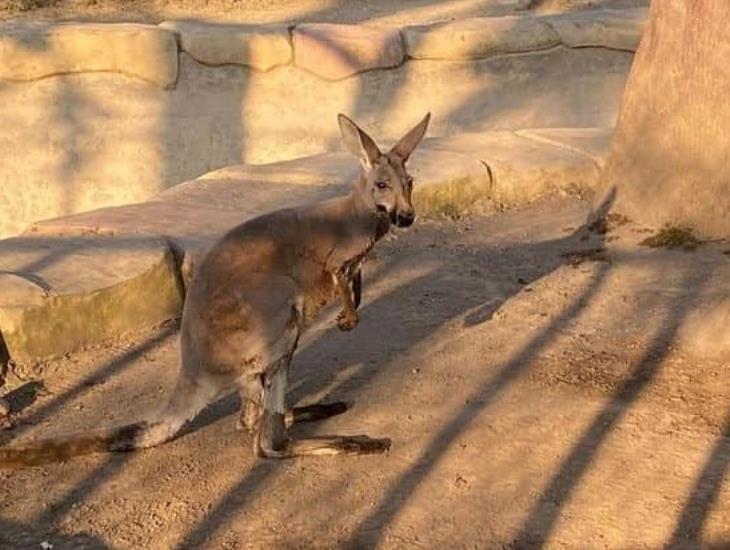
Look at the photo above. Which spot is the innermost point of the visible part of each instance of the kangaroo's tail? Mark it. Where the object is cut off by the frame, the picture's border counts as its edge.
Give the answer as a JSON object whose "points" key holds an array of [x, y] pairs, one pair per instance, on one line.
{"points": [[138, 435], [190, 396]]}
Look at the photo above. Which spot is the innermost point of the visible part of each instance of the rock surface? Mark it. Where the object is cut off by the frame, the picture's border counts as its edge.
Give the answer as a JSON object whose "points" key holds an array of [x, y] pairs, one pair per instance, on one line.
{"points": [[259, 47], [593, 142], [523, 169], [338, 51], [60, 293], [479, 37], [31, 52], [616, 29]]}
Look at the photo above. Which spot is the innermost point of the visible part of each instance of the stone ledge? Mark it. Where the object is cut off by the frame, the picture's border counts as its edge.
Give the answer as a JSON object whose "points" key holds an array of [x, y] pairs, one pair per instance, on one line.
{"points": [[60, 293], [193, 215], [615, 29], [260, 47], [324, 168], [448, 183], [334, 52], [479, 37], [592, 142], [523, 170], [33, 51], [82, 278]]}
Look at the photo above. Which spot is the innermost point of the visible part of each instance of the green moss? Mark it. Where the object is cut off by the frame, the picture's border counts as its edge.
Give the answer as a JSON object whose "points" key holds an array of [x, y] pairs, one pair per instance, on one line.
{"points": [[672, 236]]}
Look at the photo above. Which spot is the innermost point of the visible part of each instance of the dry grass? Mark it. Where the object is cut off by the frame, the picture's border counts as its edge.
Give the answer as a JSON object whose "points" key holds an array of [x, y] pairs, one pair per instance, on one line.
{"points": [[672, 236], [24, 5]]}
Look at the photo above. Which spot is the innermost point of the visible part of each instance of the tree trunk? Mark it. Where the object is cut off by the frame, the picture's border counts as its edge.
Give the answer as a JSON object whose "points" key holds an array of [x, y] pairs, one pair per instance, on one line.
{"points": [[670, 158]]}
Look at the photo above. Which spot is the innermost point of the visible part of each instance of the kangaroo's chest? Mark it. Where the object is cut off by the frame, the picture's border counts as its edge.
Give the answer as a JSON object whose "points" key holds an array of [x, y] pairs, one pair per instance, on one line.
{"points": [[321, 290], [317, 293]]}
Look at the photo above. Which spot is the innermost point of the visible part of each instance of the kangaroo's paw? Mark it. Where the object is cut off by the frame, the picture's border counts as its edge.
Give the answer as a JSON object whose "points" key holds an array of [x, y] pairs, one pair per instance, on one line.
{"points": [[347, 320], [313, 413]]}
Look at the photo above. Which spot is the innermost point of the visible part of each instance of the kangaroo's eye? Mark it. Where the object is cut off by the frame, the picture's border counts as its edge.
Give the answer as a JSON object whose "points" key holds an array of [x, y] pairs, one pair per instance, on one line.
{"points": [[381, 184]]}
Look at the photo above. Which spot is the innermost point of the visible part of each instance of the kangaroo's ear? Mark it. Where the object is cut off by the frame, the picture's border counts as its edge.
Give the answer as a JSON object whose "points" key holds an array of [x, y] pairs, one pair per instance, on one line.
{"points": [[408, 143], [357, 141]]}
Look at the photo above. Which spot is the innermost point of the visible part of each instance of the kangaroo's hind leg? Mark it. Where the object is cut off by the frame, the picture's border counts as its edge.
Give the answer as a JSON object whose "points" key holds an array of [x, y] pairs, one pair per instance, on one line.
{"points": [[252, 405], [252, 411], [271, 440]]}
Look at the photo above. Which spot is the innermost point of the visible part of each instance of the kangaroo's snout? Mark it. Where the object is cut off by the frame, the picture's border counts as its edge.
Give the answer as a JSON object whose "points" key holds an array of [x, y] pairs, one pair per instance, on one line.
{"points": [[405, 219]]}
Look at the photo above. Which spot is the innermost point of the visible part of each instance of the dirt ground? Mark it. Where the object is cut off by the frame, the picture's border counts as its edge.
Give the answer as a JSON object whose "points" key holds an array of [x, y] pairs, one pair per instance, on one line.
{"points": [[286, 11], [530, 375]]}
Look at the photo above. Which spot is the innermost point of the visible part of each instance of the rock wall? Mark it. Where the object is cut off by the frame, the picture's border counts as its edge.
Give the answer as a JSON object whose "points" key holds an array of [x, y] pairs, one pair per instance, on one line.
{"points": [[99, 115]]}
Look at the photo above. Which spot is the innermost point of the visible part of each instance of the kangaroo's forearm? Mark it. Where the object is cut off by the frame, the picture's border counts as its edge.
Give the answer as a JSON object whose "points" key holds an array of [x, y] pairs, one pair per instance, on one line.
{"points": [[348, 318]]}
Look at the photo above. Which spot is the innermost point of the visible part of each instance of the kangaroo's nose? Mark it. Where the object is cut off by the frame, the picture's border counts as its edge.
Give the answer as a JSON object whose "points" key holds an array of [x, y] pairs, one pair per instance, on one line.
{"points": [[406, 218]]}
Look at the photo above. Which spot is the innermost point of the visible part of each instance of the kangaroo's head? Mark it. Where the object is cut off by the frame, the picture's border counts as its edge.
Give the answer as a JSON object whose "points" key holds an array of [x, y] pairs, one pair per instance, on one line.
{"points": [[385, 185]]}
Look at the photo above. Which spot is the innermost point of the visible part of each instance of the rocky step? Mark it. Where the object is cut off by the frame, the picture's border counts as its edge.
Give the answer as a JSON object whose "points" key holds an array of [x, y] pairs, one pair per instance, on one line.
{"points": [[75, 280]]}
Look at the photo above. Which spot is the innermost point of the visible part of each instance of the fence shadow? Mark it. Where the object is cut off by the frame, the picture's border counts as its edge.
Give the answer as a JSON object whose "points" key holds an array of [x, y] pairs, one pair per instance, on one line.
{"points": [[703, 496], [313, 382]]}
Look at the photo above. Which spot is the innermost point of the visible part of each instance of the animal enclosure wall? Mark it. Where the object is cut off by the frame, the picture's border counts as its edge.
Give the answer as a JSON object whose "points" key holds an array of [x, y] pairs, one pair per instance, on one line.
{"points": [[105, 114]]}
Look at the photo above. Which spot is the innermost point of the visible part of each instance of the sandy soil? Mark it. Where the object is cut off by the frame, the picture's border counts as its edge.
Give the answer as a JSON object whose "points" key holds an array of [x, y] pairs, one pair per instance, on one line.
{"points": [[534, 396], [285, 11]]}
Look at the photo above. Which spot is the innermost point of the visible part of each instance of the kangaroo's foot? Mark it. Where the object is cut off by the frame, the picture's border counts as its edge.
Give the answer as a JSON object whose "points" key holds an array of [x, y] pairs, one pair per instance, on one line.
{"points": [[336, 445], [322, 446], [271, 440]]}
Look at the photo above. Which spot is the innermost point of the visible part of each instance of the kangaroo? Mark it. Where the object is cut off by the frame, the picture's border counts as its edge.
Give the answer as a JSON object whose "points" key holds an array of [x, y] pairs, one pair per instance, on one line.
{"points": [[255, 292]]}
